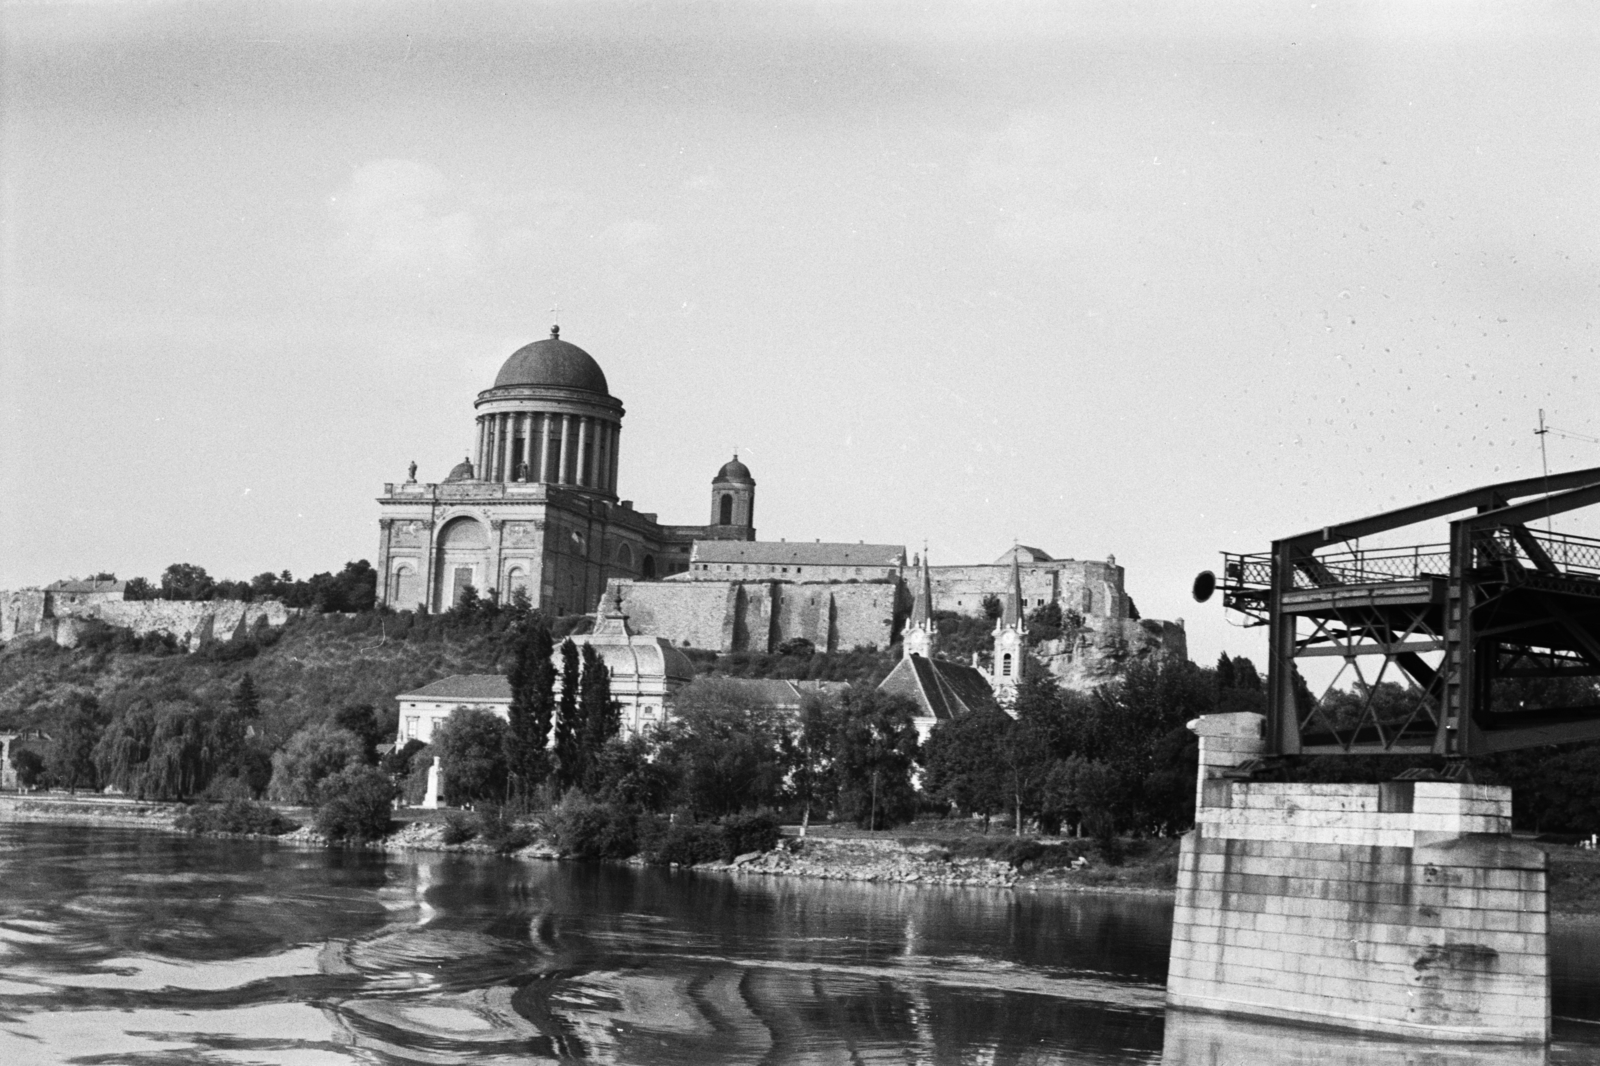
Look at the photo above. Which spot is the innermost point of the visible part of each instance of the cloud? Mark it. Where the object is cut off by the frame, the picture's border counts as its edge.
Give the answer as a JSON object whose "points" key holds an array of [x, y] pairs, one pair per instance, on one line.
{"points": [[401, 218]]}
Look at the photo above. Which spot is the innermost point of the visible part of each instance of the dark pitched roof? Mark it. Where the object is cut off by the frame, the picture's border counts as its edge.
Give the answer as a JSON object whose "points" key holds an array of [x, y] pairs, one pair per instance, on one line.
{"points": [[766, 552], [87, 586], [463, 687], [776, 693], [941, 688]]}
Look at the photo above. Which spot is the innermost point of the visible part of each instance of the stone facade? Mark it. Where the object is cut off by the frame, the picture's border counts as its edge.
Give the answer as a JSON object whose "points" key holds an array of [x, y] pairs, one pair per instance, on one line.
{"points": [[781, 560], [1402, 908], [535, 507]]}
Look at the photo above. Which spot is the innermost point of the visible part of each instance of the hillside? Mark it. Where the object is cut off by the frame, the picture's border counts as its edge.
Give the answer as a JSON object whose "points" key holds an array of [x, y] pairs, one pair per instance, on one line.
{"points": [[302, 673]]}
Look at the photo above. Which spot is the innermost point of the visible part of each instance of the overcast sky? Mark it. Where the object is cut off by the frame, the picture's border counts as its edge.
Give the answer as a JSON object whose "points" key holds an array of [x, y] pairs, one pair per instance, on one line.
{"points": [[1154, 280]]}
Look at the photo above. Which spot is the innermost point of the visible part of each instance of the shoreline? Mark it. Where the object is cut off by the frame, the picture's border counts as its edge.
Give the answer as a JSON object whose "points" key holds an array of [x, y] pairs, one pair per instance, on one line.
{"points": [[819, 857]]}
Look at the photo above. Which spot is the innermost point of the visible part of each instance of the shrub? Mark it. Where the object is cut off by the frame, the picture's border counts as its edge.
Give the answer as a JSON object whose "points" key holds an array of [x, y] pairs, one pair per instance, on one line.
{"points": [[751, 831], [459, 827], [356, 803], [235, 816], [586, 829], [687, 844], [498, 827]]}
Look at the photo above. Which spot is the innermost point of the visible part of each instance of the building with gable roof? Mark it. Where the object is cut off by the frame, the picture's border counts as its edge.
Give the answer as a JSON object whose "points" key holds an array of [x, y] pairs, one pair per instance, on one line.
{"points": [[941, 689]]}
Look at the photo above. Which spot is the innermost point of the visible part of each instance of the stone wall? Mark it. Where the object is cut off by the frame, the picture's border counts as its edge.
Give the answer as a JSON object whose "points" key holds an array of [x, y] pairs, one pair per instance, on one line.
{"points": [[1090, 588], [758, 616], [22, 613], [1402, 908], [34, 612]]}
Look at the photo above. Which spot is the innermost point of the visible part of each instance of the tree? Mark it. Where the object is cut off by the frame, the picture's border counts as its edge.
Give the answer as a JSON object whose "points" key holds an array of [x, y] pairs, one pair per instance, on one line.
{"points": [[138, 588], [471, 746], [992, 607], [874, 755], [361, 720], [29, 765], [354, 805], [186, 581], [312, 755], [246, 701], [724, 755], [963, 763], [69, 758], [600, 716], [533, 678], [809, 754], [567, 727], [124, 748]]}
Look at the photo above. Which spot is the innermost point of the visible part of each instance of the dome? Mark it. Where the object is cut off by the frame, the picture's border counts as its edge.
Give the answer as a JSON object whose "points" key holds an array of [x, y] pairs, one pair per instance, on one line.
{"points": [[462, 471], [734, 471], [553, 361]]}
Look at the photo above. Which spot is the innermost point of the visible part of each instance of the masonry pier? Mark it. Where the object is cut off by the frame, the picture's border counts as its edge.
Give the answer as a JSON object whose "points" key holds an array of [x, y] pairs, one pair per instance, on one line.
{"points": [[1403, 908]]}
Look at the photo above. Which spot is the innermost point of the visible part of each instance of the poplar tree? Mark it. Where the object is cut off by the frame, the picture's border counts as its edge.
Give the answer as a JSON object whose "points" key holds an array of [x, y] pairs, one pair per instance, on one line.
{"points": [[533, 680], [601, 717], [569, 730]]}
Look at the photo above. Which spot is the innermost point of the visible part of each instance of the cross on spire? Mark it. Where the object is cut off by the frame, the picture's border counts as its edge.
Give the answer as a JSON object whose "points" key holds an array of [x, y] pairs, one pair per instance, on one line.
{"points": [[555, 319]]}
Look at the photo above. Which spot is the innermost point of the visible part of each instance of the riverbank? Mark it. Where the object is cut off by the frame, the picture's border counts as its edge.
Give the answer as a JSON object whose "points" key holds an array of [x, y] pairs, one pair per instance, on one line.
{"points": [[931, 856]]}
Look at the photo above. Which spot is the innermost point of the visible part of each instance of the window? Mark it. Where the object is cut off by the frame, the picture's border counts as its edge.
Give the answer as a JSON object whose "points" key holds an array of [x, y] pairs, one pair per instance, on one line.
{"points": [[1005, 665], [725, 510]]}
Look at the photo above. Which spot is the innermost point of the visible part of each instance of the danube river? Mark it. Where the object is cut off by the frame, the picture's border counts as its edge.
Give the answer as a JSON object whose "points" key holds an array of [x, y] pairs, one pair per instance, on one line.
{"points": [[138, 947]]}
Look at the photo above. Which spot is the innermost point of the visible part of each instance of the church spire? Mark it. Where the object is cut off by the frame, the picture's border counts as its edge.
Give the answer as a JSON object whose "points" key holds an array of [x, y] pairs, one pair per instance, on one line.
{"points": [[1015, 604], [920, 629]]}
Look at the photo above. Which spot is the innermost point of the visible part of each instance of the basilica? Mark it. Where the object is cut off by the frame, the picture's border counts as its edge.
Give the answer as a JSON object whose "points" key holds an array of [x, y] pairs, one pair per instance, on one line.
{"points": [[535, 507]]}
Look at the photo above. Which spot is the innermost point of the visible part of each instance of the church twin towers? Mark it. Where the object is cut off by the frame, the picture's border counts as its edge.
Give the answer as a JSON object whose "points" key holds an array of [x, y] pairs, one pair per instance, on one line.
{"points": [[536, 507]]}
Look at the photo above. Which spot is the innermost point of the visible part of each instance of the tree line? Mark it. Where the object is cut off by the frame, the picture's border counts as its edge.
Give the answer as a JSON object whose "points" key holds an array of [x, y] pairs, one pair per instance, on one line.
{"points": [[352, 589]]}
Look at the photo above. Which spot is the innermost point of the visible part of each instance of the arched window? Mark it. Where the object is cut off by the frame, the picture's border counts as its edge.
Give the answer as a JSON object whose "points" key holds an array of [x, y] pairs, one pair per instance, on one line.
{"points": [[407, 589], [1005, 665], [726, 509], [625, 556], [647, 569]]}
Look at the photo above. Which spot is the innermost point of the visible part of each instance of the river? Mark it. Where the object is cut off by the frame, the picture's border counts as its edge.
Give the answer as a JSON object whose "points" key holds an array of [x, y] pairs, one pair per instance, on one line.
{"points": [[122, 946]]}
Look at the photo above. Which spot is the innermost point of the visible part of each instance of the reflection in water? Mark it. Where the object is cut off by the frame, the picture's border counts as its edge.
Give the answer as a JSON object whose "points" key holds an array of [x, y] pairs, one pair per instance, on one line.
{"points": [[126, 947], [1194, 1039]]}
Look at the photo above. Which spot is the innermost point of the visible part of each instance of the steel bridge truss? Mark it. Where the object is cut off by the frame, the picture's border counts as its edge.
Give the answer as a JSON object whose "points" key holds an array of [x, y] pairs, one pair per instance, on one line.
{"points": [[1500, 599]]}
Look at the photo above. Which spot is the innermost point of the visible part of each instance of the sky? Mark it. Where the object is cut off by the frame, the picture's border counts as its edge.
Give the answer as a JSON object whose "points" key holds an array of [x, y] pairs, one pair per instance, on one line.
{"points": [[1155, 280]]}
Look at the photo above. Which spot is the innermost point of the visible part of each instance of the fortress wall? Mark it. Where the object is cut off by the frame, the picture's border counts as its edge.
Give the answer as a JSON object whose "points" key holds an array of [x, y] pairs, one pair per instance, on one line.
{"points": [[866, 614], [805, 611], [22, 613], [681, 612], [1090, 588], [192, 621]]}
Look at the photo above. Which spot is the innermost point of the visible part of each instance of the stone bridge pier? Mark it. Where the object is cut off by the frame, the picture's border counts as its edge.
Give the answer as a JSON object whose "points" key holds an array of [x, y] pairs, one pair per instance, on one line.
{"points": [[1403, 908]]}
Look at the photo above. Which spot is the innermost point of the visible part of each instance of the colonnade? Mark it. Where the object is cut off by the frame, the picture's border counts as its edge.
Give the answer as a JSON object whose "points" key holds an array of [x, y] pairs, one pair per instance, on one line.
{"points": [[559, 449]]}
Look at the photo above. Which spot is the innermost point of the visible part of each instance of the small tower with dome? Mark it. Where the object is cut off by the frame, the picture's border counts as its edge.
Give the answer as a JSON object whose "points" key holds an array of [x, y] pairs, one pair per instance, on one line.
{"points": [[733, 502]]}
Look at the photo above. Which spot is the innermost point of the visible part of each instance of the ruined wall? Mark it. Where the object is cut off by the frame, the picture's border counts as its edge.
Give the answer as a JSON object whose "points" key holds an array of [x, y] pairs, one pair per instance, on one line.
{"points": [[34, 612], [1090, 588], [758, 616], [1105, 647], [22, 613]]}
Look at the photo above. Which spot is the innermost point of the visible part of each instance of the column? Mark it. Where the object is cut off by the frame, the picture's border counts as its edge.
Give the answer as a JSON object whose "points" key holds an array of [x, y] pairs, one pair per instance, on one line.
{"points": [[527, 445], [602, 453], [543, 422], [616, 451], [482, 448], [581, 475], [504, 473], [566, 449]]}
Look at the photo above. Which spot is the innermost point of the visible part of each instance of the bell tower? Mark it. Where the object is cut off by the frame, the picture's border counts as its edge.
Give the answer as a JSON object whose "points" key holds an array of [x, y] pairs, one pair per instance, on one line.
{"points": [[733, 503], [1010, 651]]}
